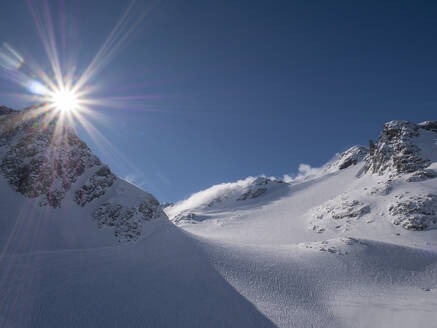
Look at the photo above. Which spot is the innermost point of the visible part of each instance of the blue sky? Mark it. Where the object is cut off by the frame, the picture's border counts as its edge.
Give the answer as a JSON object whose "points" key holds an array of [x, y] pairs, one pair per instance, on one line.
{"points": [[214, 91]]}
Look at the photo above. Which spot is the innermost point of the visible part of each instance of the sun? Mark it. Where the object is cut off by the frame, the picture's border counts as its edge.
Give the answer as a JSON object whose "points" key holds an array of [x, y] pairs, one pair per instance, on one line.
{"points": [[64, 100]]}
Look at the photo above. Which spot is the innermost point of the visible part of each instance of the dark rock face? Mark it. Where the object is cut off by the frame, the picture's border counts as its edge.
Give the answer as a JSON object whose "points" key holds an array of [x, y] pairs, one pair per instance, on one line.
{"points": [[41, 161], [95, 186], [126, 221], [395, 149]]}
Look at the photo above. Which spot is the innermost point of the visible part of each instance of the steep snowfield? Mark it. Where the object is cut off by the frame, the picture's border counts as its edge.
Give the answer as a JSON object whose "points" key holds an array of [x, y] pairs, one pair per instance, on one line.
{"points": [[162, 280], [368, 272]]}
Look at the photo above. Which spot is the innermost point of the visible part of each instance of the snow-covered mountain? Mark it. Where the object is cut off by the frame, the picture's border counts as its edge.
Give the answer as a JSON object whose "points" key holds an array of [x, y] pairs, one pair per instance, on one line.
{"points": [[253, 192], [350, 244], [394, 180], [45, 161]]}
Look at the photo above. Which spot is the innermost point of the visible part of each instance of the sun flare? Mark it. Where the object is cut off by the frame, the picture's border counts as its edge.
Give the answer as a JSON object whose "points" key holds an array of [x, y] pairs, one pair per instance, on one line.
{"points": [[64, 100]]}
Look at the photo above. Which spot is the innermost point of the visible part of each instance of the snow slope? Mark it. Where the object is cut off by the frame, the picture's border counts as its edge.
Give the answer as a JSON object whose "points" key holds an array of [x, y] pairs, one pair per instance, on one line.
{"points": [[332, 250], [352, 244], [61, 263], [163, 280]]}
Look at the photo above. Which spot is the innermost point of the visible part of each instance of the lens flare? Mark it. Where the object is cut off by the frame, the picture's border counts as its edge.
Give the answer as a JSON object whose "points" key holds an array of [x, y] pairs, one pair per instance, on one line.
{"points": [[63, 94], [64, 100]]}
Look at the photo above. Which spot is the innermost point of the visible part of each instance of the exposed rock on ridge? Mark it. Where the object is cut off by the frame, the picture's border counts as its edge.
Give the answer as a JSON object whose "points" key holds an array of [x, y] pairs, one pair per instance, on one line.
{"points": [[352, 156], [395, 149]]}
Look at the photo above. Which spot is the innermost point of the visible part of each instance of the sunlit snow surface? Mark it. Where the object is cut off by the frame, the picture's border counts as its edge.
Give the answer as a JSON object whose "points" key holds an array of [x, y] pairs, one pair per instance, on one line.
{"points": [[366, 273], [319, 251]]}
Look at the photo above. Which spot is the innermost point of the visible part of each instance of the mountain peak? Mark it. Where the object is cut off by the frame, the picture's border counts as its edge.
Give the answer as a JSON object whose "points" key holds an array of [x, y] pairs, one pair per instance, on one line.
{"points": [[402, 147], [45, 160]]}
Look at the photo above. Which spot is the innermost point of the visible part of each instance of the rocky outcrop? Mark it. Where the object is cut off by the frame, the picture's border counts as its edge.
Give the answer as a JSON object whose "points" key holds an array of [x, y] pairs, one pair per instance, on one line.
{"points": [[421, 175], [95, 186], [126, 221], [258, 187], [337, 213], [414, 212], [350, 157], [395, 151], [340, 208], [40, 160], [184, 218], [404, 152]]}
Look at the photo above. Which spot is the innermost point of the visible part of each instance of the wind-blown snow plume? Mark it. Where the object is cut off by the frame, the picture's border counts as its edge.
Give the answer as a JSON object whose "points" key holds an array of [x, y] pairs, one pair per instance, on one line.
{"points": [[225, 194]]}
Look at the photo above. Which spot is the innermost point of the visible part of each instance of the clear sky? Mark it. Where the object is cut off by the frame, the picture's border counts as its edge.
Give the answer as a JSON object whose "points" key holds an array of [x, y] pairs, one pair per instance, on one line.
{"points": [[207, 92]]}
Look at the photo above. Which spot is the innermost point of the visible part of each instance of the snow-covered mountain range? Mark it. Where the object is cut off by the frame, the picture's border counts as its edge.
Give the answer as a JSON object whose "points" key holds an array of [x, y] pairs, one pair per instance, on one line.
{"points": [[350, 244], [394, 180]]}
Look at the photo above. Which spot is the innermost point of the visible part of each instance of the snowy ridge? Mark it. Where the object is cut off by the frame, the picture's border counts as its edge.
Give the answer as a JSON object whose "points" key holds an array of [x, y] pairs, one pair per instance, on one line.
{"points": [[405, 153], [255, 191], [250, 191], [352, 156]]}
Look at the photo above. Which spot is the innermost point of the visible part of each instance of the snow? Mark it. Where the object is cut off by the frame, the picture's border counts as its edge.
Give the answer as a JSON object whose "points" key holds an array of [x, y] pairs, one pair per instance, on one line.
{"points": [[328, 251], [144, 284], [373, 273], [325, 249]]}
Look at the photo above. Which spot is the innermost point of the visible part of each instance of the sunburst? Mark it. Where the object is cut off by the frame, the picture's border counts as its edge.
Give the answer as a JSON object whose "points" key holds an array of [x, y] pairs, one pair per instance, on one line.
{"points": [[65, 100], [60, 88], [65, 95]]}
